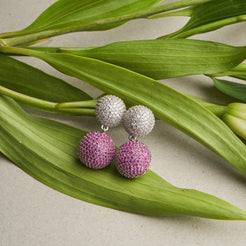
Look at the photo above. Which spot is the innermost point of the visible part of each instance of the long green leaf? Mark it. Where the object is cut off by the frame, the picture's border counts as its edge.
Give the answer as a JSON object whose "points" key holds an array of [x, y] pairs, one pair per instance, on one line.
{"points": [[166, 103], [68, 16], [215, 10], [161, 59], [238, 72], [47, 150], [25, 79], [212, 15], [233, 89], [65, 13]]}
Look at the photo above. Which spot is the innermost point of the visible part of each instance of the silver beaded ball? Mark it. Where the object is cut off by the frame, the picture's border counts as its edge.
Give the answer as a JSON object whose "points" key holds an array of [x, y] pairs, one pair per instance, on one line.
{"points": [[138, 121], [109, 110]]}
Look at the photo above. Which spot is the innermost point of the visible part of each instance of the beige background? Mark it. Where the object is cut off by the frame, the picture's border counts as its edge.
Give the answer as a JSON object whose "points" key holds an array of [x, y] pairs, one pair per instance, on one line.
{"points": [[33, 214]]}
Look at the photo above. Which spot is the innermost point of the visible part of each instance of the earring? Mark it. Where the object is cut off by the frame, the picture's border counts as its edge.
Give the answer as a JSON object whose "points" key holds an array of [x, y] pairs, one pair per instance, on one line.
{"points": [[133, 158], [96, 149]]}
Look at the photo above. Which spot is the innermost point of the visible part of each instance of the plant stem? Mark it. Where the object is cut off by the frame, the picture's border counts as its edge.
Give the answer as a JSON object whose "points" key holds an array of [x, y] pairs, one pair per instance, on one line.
{"points": [[16, 51], [218, 110], [183, 12], [75, 108], [171, 6], [35, 102], [45, 105], [205, 28], [76, 111], [236, 71], [27, 36], [78, 104]]}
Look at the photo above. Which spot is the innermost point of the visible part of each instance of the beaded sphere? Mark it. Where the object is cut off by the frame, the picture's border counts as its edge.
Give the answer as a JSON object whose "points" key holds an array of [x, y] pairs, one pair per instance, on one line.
{"points": [[132, 159], [96, 150], [109, 110], [138, 121]]}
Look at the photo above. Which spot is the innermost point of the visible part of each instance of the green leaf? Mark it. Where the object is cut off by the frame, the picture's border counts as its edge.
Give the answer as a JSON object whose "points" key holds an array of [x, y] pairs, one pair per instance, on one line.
{"points": [[215, 10], [69, 16], [166, 103], [233, 89], [183, 12], [212, 15], [47, 150], [76, 14], [25, 79], [238, 72], [161, 59]]}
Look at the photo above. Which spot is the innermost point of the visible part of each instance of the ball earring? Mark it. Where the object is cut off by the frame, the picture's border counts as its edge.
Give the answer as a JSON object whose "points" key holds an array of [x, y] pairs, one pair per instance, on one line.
{"points": [[96, 149], [133, 158]]}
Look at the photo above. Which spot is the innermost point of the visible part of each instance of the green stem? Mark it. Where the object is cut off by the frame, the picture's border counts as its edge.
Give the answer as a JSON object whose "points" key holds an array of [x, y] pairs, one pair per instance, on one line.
{"points": [[11, 34], [236, 71], [26, 36], [76, 111], [47, 49], [172, 6], [241, 67], [19, 51], [183, 12], [205, 28], [45, 105], [218, 110], [78, 104], [214, 108], [35, 102]]}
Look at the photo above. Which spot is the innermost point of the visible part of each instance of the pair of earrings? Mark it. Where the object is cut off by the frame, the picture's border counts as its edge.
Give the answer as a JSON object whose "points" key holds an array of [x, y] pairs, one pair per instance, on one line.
{"points": [[97, 149]]}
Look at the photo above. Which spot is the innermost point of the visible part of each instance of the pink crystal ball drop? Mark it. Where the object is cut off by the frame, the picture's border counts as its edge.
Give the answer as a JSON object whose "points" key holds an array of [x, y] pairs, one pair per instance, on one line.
{"points": [[96, 150], [132, 159]]}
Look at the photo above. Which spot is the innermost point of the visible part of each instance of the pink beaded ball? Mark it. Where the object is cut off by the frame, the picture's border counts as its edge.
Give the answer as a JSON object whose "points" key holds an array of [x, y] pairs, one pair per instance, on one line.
{"points": [[132, 159], [96, 150]]}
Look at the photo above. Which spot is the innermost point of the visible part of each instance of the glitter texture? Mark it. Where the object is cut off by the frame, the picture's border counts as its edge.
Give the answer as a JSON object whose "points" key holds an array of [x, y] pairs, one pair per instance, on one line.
{"points": [[109, 110], [138, 121], [96, 150], [132, 159]]}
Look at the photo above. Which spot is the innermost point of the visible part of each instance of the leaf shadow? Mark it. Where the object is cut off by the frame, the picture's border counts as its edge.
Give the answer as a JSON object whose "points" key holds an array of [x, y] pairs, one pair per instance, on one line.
{"points": [[201, 86], [195, 224], [171, 138]]}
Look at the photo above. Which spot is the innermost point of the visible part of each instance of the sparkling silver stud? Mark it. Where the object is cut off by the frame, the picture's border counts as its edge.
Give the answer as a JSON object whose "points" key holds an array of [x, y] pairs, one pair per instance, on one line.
{"points": [[109, 110], [138, 121]]}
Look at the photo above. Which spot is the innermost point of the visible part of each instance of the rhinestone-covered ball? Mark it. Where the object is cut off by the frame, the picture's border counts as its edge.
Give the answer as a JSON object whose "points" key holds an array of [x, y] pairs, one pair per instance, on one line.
{"points": [[132, 159], [96, 150], [139, 121], [109, 110]]}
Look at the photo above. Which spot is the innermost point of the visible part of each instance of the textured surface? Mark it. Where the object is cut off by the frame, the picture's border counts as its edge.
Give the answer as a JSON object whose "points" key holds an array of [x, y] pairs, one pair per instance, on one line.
{"points": [[33, 214], [138, 121], [96, 150], [132, 159], [110, 110]]}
